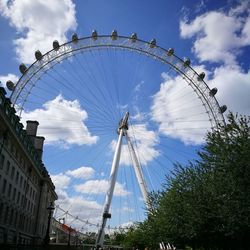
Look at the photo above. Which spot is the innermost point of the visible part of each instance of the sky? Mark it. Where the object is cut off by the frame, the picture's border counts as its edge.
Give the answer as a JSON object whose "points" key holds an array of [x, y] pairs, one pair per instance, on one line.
{"points": [[80, 101]]}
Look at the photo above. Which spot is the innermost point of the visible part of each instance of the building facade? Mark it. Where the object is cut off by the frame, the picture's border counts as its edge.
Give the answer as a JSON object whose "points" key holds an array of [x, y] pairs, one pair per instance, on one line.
{"points": [[26, 189]]}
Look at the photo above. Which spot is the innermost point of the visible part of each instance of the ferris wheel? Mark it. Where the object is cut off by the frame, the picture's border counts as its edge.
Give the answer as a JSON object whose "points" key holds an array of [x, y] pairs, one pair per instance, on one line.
{"points": [[110, 100]]}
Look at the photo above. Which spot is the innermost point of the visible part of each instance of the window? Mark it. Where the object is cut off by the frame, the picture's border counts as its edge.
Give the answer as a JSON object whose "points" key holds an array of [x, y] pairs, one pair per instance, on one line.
{"points": [[21, 160], [7, 142], [25, 224], [14, 194], [4, 186], [1, 211], [15, 221], [22, 200], [9, 190], [6, 215], [31, 225], [29, 228], [11, 216], [2, 159], [21, 182], [25, 202], [7, 168], [20, 221], [12, 173], [18, 198], [17, 177], [28, 206]]}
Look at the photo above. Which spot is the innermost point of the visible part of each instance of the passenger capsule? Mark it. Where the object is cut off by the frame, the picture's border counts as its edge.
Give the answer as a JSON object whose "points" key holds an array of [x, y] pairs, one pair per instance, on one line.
{"points": [[213, 92], [170, 52], [56, 45], [74, 38], [114, 35], [201, 76], [10, 85], [223, 109], [38, 55], [133, 37], [186, 62], [152, 43], [94, 35], [22, 68]]}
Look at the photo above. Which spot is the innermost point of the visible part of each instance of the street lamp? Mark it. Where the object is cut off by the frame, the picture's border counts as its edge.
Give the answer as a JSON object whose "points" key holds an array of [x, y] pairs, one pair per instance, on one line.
{"points": [[4, 136], [47, 237], [69, 235]]}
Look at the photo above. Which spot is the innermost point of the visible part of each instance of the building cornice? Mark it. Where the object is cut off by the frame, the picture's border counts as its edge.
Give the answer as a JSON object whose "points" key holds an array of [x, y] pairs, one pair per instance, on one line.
{"points": [[8, 113]]}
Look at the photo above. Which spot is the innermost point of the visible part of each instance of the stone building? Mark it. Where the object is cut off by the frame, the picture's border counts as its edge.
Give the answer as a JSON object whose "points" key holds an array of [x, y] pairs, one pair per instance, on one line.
{"points": [[26, 189]]}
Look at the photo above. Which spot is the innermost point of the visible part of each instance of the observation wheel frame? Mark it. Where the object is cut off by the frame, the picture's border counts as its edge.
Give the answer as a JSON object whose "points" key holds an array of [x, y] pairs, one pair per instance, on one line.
{"points": [[30, 75], [22, 89]]}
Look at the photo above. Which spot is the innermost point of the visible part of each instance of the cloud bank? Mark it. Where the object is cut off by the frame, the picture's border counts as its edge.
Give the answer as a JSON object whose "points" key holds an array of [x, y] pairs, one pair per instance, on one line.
{"points": [[38, 24], [79, 203], [5, 78], [219, 35], [144, 142], [61, 122], [179, 112]]}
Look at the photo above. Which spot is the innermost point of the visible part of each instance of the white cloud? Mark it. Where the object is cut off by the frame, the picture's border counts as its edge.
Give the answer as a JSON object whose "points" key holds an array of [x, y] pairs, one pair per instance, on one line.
{"points": [[200, 6], [246, 32], [78, 203], [88, 204], [100, 187], [62, 194], [83, 208], [138, 116], [62, 122], [5, 78], [81, 173], [138, 87], [127, 224], [121, 228], [233, 88], [219, 35], [127, 209], [78, 206], [145, 141], [61, 182], [179, 112], [38, 23]]}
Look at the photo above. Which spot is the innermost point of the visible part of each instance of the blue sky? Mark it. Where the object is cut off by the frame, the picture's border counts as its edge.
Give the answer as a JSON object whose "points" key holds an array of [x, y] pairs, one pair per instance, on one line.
{"points": [[80, 101]]}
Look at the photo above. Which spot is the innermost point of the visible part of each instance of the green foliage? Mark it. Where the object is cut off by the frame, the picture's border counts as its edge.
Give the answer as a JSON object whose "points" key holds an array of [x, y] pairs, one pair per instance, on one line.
{"points": [[135, 238], [205, 205], [117, 238]]}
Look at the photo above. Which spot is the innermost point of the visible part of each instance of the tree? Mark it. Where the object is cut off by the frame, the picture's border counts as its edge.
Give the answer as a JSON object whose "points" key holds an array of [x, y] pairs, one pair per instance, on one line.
{"points": [[206, 204], [226, 159]]}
